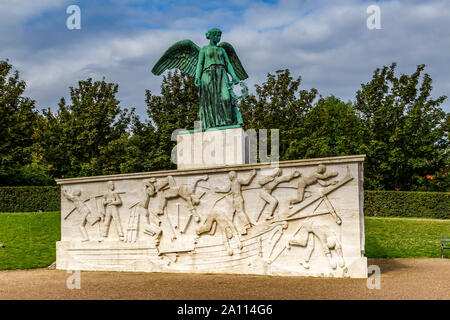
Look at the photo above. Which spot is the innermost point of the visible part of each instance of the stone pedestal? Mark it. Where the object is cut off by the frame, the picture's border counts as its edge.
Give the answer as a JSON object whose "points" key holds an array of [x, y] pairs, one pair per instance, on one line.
{"points": [[241, 219], [212, 148]]}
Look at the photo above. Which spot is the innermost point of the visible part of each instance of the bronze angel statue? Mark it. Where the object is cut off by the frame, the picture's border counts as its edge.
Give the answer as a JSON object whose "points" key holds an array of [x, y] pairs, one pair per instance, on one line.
{"points": [[210, 66]]}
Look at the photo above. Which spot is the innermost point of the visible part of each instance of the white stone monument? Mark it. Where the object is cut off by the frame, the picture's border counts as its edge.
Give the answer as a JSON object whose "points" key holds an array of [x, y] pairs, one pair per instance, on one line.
{"points": [[212, 148], [299, 218]]}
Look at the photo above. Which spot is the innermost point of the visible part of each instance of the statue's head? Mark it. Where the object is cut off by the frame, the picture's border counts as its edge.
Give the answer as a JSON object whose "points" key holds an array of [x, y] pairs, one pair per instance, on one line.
{"points": [[232, 175], [214, 34], [76, 192], [321, 168], [110, 185]]}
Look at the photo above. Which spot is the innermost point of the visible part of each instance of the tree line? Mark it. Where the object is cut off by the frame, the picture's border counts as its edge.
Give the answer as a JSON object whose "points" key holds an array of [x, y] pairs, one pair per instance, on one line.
{"points": [[393, 119]]}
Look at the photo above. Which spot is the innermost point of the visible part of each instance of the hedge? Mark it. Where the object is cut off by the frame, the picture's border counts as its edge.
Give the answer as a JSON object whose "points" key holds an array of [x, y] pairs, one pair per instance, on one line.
{"points": [[407, 204], [30, 199], [376, 203]]}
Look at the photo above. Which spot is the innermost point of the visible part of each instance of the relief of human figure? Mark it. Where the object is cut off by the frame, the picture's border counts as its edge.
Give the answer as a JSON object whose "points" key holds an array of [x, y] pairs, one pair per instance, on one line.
{"points": [[234, 188], [327, 238], [111, 203], [274, 238], [87, 215], [319, 176], [268, 202], [184, 191], [152, 225], [223, 225]]}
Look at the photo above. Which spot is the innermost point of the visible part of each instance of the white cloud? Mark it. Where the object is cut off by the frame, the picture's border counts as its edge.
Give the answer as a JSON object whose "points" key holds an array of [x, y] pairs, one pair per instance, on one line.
{"points": [[15, 11], [327, 43]]}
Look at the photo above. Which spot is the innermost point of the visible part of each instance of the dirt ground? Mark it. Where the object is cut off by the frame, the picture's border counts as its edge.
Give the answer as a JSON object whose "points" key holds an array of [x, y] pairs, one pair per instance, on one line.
{"points": [[400, 279]]}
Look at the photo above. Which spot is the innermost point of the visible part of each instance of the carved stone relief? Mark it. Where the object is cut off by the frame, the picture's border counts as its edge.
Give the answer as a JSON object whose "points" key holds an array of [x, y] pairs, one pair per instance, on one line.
{"points": [[203, 222]]}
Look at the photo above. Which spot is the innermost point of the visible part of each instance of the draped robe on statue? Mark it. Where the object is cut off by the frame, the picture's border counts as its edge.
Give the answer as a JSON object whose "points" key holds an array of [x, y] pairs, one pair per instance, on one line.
{"points": [[217, 106]]}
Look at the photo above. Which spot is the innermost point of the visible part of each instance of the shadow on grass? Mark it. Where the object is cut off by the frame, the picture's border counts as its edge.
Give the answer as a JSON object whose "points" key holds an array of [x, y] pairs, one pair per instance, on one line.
{"points": [[388, 265], [377, 255], [374, 249]]}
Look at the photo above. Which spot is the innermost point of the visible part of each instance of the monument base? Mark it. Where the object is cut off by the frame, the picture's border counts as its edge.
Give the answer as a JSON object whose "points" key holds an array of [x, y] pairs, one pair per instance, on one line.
{"points": [[224, 146], [144, 258], [242, 219]]}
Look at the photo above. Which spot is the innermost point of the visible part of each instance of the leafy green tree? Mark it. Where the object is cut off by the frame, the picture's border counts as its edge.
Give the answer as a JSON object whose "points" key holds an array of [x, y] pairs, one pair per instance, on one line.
{"points": [[405, 130], [35, 174], [142, 146], [278, 104], [89, 135], [17, 119], [394, 120], [330, 128], [309, 128], [176, 108]]}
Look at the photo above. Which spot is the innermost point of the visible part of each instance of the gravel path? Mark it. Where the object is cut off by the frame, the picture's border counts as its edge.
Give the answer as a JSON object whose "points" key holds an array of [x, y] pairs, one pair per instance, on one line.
{"points": [[401, 279]]}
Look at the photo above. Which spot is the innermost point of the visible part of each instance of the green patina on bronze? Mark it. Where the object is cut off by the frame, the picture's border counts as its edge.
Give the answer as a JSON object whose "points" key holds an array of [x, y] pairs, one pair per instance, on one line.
{"points": [[210, 66], [208, 129]]}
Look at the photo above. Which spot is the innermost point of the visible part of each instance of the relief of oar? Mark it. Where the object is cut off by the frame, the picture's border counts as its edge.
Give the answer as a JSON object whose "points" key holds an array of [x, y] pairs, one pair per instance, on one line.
{"points": [[174, 235], [324, 192], [187, 223]]}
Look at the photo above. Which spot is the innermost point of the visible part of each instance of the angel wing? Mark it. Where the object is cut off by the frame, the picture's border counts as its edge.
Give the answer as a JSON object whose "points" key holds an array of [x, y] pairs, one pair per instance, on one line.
{"points": [[181, 55], [235, 62]]}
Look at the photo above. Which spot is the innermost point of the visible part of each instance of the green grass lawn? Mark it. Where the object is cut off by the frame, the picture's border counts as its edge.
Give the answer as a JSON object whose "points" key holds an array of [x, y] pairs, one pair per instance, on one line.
{"points": [[405, 237], [30, 238]]}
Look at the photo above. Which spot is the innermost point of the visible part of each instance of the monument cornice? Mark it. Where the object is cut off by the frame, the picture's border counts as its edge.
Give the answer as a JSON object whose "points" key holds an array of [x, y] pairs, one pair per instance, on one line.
{"points": [[215, 169]]}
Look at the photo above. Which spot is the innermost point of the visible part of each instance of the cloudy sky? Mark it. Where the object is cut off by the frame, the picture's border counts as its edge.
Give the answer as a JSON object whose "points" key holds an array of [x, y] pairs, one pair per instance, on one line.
{"points": [[328, 43]]}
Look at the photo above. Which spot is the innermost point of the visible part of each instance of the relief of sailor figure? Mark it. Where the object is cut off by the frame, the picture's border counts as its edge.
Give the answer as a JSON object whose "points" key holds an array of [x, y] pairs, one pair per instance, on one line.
{"points": [[236, 199], [87, 215], [111, 202], [268, 203], [218, 222], [318, 176], [185, 191]]}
